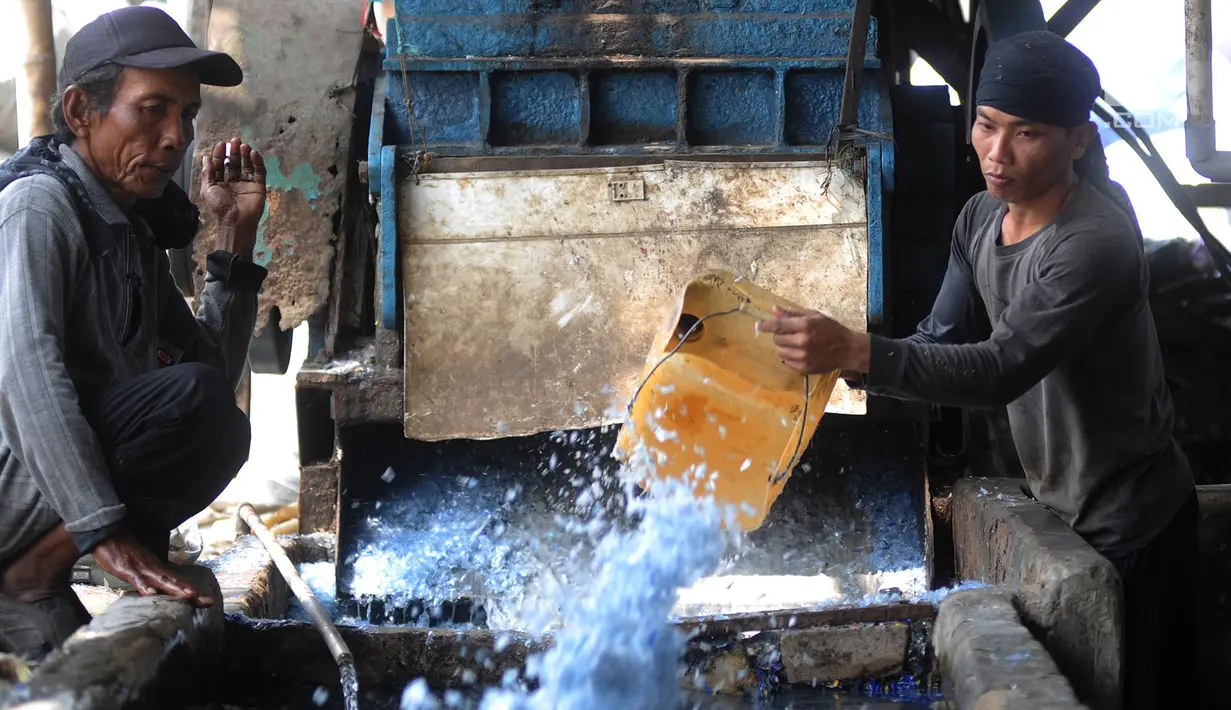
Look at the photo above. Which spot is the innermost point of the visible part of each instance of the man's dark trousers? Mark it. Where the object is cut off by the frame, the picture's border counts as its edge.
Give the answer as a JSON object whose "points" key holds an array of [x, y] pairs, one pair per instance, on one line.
{"points": [[174, 439], [1160, 585]]}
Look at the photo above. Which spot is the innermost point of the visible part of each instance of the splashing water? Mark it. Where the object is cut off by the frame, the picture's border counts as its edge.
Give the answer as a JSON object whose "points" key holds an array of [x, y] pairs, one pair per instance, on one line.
{"points": [[617, 649], [438, 534], [613, 645]]}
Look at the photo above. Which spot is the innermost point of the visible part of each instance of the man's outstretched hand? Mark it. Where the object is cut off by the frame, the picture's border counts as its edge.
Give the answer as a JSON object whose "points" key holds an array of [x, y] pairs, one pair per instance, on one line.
{"points": [[811, 342], [124, 557], [234, 193]]}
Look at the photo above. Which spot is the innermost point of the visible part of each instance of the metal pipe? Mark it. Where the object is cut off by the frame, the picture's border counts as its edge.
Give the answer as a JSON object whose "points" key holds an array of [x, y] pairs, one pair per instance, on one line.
{"points": [[337, 647], [1199, 133]]}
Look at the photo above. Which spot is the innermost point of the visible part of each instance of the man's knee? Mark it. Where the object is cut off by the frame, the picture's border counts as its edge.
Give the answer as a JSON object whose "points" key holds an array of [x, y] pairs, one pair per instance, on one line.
{"points": [[239, 437], [221, 425], [205, 387]]}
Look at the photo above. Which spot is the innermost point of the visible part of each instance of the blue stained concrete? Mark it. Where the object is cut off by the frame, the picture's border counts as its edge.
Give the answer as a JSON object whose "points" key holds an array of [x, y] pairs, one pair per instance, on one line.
{"points": [[632, 107], [535, 108], [301, 178], [731, 108]]}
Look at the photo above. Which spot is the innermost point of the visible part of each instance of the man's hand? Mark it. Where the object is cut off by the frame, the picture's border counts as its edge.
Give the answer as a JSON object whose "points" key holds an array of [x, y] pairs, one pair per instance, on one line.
{"points": [[127, 559], [811, 342], [234, 193]]}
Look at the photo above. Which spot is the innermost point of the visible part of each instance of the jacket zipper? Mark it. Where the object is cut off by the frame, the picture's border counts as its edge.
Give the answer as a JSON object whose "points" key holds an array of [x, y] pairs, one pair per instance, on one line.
{"points": [[132, 296]]}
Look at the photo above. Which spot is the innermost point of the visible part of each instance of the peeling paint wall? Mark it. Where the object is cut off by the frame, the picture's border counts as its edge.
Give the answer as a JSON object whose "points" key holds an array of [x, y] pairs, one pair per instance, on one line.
{"points": [[295, 107]]}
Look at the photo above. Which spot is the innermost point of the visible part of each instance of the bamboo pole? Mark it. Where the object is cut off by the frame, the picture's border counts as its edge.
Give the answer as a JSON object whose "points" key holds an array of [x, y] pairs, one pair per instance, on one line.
{"points": [[37, 84]]}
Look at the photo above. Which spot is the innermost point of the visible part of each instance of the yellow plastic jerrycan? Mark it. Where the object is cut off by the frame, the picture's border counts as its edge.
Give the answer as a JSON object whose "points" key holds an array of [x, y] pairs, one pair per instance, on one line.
{"points": [[719, 409]]}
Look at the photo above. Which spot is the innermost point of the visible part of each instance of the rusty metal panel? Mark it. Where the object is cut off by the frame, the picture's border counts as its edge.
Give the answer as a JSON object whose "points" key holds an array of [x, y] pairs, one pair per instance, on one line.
{"points": [[532, 297], [295, 106]]}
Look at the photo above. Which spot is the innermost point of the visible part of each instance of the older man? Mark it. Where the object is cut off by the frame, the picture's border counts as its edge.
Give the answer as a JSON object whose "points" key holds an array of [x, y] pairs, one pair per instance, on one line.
{"points": [[1045, 309], [117, 409]]}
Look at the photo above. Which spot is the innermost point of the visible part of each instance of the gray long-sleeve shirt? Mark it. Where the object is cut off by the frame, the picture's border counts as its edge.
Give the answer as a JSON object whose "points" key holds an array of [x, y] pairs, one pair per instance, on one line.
{"points": [[1057, 328], [67, 332]]}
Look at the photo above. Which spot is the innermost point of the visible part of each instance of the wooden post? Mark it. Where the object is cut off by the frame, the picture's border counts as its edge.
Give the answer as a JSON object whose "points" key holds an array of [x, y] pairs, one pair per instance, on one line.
{"points": [[37, 85]]}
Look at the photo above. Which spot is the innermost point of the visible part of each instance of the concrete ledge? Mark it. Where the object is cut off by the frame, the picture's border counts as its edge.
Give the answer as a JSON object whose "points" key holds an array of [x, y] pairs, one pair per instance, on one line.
{"points": [[1068, 594], [1213, 597], [826, 646], [990, 661], [820, 655], [292, 651], [844, 652], [142, 652]]}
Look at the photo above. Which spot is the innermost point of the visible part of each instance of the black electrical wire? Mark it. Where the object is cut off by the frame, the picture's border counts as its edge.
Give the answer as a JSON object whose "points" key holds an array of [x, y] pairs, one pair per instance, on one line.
{"points": [[803, 423], [683, 339]]}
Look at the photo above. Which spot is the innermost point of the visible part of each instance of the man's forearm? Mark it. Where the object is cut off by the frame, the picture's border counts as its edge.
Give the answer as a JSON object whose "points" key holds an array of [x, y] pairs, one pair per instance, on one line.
{"points": [[987, 374], [220, 332], [860, 353], [236, 240], [228, 307]]}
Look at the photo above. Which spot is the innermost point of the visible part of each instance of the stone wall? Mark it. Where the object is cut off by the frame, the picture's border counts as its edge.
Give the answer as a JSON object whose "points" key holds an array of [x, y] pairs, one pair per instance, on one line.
{"points": [[1214, 532], [1068, 595], [989, 660], [142, 652]]}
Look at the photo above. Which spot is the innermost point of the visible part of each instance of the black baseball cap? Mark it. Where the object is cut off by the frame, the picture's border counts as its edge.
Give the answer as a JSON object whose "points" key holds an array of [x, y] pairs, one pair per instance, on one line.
{"points": [[147, 38]]}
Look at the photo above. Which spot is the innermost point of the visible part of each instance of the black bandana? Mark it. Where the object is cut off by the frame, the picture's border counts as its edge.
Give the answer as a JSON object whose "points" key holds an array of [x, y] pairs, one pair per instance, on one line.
{"points": [[1038, 76]]}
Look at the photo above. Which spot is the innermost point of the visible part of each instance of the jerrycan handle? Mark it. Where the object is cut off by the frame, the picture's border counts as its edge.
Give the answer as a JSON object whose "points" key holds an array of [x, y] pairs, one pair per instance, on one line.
{"points": [[691, 333]]}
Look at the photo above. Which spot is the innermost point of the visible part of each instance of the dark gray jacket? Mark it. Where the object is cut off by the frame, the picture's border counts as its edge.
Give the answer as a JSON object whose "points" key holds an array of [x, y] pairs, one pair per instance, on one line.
{"points": [[1058, 329], [88, 301]]}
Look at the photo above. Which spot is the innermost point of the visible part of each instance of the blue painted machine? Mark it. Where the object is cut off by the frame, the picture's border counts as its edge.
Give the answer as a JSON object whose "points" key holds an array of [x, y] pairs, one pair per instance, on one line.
{"points": [[714, 126], [542, 177], [547, 175]]}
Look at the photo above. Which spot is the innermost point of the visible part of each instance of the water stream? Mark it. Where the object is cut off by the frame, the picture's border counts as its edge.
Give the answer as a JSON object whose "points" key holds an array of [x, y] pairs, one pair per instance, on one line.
{"points": [[350, 684], [616, 649]]}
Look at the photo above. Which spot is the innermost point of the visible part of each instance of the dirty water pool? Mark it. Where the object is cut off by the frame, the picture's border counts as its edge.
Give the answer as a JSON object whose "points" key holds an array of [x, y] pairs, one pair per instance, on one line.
{"points": [[581, 608], [504, 523]]}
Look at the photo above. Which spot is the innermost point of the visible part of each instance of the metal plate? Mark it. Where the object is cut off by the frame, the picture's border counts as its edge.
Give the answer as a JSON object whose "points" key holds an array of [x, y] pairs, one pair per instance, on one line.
{"points": [[532, 297]]}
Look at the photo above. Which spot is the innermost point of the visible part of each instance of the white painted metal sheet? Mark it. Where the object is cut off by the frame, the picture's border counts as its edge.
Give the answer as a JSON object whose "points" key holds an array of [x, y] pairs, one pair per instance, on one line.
{"points": [[532, 298]]}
